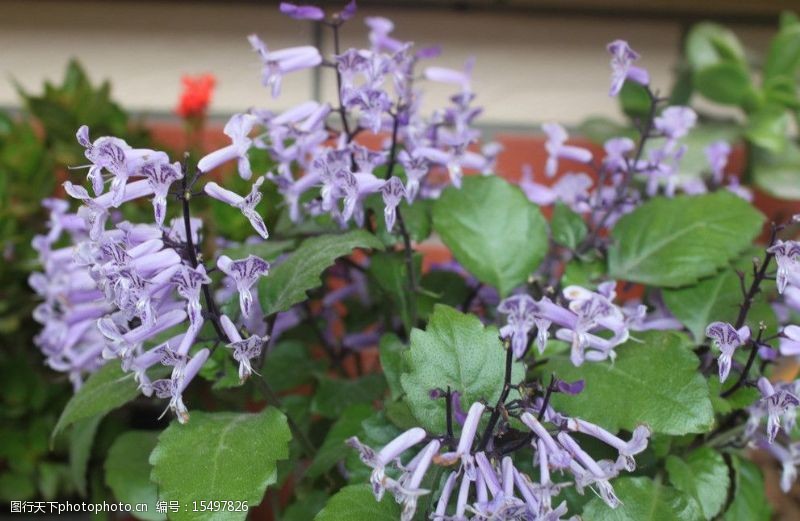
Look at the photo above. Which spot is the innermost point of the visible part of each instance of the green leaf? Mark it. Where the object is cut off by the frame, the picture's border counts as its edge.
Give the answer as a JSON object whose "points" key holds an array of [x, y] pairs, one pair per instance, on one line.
{"points": [[356, 503], [727, 83], [783, 56], [714, 299], [643, 499], [290, 365], [334, 395], [741, 398], [287, 284], [568, 227], [703, 475], [749, 500], [128, 471], [768, 127], [493, 230], [778, 173], [455, 350], [391, 350], [306, 506], [333, 448], [390, 271], [220, 456], [81, 439], [654, 381], [635, 100], [110, 387], [708, 44], [672, 242]]}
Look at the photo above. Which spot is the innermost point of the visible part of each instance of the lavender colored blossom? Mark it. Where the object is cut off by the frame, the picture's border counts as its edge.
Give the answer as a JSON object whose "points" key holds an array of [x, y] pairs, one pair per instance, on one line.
{"points": [[302, 12], [243, 349], [675, 122], [558, 149], [622, 68], [278, 63], [520, 321], [727, 339], [245, 273], [393, 192], [237, 128], [717, 155], [790, 341], [246, 204], [786, 254], [778, 401]]}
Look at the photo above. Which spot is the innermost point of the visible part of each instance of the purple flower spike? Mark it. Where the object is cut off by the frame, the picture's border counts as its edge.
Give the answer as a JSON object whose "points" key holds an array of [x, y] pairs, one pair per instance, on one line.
{"points": [[393, 192], [727, 339], [302, 12], [246, 204], [777, 401], [278, 63], [237, 128], [245, 273], [557, 149], [622, 68]]}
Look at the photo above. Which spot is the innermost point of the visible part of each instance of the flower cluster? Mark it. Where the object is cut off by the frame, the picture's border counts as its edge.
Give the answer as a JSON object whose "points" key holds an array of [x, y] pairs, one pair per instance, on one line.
{"points": [[486, 485]]}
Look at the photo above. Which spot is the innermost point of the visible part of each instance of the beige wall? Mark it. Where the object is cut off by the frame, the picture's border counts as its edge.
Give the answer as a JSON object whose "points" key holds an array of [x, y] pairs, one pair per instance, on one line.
{"points": [[529, 68]]}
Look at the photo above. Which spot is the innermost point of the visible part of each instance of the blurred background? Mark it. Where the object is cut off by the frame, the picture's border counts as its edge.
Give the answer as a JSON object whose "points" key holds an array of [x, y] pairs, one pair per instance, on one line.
{"points": [[535, 60]]}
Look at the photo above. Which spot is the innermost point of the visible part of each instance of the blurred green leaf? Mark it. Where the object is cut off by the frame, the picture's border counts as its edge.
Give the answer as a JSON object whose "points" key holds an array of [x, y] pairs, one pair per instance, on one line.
{"points": [[127, 472], [767, 128], [725, 82]]}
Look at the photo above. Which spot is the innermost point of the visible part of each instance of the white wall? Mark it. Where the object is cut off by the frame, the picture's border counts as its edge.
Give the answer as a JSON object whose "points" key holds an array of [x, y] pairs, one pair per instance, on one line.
{"points": [[529, 69]]}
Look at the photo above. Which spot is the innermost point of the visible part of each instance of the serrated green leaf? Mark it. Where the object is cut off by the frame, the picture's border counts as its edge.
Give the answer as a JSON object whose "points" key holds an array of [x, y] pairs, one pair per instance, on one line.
{"points": [[290, 365], [110, 387], [390, 271], [356, 503], [286, 285], [714, 299], [221, 456], [568, 228], [493, 230], [643, 499], [334, 395], [703, 475], [127, 471], [455, 350], [391, 350], [81, 439], [333, 448], [749, 500], [654, 381], [674, 242]]}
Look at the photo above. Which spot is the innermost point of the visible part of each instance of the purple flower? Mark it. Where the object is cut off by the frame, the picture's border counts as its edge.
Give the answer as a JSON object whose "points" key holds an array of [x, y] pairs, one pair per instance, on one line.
{"points": [[593, 310], [627, 449], [389, 454], [727, 339], [161, 175], [379, 34], [789, 458], [790, 341], [676, 122], [409, 489], [108, 153], [244, 272], [622, 68], [278, 63], [173, 388], [464, 448], [246, 204], [521, 311], [462, 79], [786, 254], [779, 400], [189, 283], [557, 149], [243, 349], [349, 10], [617, 150], [416, 167], [302, 12], [717, 154], [237, 128], [393, 192]]}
